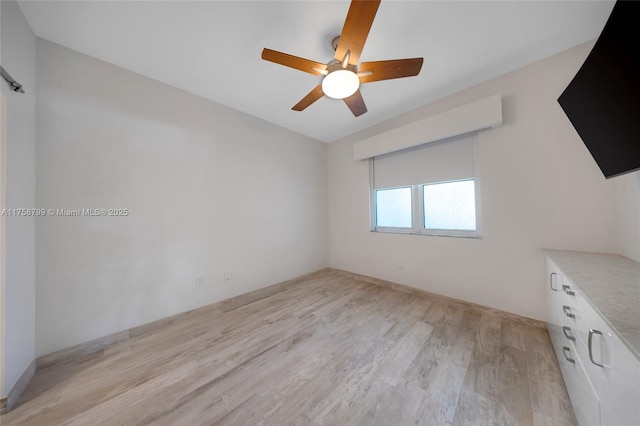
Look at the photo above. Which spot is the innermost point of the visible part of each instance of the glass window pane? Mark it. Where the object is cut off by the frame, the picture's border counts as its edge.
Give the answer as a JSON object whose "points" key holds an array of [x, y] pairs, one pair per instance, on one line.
{"points": [[393, 207], [450, 205]]}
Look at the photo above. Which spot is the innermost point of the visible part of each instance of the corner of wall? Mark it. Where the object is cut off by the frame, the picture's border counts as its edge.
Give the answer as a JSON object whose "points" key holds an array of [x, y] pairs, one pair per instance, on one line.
{"points": [[18, 58], [628, 207]]}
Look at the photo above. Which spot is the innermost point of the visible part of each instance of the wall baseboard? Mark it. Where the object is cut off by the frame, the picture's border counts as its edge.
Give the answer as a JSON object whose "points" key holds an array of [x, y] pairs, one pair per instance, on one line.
{"points": [[7, 403], [101, 343], [446, 299]]}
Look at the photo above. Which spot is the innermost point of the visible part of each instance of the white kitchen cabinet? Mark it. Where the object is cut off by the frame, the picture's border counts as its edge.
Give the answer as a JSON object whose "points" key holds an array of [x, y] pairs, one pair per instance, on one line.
{"points": [[614, 370], [601, 372]]}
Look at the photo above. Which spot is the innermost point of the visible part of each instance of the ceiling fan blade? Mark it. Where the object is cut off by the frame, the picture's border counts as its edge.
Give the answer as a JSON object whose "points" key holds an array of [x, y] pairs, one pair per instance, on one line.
{"points": [[356, 29], [311, 97], [387, 70], [293, 61], [356, 104]]}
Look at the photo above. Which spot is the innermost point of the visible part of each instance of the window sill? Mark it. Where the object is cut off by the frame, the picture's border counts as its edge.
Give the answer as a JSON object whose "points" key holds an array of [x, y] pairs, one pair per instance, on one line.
{"points": [[429, 234]]}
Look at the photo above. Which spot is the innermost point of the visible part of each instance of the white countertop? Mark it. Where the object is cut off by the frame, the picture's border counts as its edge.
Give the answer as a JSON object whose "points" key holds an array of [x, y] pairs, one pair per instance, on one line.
{"points": [[611, 284]]}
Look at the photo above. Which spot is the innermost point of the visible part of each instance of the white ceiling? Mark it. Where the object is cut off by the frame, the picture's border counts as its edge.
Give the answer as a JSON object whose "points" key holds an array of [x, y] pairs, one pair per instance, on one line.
{"points": [[212, 48]]}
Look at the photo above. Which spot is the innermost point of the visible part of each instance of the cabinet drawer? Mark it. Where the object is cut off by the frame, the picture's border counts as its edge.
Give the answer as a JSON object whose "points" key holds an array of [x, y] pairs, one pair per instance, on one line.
{"points": [[577, 327], [571, 312]]}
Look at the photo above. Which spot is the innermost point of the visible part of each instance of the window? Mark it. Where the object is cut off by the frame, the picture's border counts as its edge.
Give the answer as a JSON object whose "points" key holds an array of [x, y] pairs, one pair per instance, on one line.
{"points": [[393, 207], [450, 205], [427, 190]]}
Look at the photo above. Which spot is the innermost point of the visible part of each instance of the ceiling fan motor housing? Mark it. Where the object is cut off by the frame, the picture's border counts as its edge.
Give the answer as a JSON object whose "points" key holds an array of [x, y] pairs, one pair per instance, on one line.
{"points": [[335, 41], [337, 65]]}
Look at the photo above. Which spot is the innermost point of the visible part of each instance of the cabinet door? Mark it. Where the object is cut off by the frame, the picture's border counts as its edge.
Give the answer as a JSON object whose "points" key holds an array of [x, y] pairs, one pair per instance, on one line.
{"points": [[621, 392], [553, 283], [617, 372], [584, 398]]}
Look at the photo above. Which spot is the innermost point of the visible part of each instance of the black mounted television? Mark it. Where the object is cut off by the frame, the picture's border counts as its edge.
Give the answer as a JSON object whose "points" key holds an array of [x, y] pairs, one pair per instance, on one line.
{"points": [[603, 99]]}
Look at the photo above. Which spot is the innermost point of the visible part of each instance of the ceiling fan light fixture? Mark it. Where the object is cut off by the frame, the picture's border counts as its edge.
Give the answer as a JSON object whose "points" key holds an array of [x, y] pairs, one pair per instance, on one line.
{"points": [[340, 84], [341, 76]]}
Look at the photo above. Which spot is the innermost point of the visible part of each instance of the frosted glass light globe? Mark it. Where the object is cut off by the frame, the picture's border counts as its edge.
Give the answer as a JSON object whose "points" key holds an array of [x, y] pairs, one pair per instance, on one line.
{"points": [[340, 84]]}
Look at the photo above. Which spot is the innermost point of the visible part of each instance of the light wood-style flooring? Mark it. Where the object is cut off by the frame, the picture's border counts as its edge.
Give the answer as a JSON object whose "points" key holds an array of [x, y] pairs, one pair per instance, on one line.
{"points": [[330, 350]]}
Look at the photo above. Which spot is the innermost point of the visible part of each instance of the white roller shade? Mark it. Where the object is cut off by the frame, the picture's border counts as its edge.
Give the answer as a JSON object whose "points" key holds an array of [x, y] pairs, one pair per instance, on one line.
{"points": [[447, 160], [478, 115]]}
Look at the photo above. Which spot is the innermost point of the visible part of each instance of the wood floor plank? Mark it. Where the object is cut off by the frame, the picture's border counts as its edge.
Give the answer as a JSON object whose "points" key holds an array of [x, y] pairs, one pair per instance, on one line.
{"points": [[446, 379], [437, 348], [476, 405], [327, 349], [473, 409], [486, 354], [340, 405], [398, 405], [302, 399], [205, 410], [516, 335], [301, 420], [549, 399], [400, 357], [513, 405], [413, 311]]}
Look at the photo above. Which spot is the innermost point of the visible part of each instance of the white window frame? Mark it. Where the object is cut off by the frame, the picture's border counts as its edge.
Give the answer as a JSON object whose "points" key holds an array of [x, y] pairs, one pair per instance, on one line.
{"points": [[393, 229], [417, 211], [452, 232]]}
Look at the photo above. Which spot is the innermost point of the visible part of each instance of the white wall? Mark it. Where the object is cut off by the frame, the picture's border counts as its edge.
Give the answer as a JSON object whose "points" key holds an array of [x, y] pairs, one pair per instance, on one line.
{"points": [[18, 58], [209, 190], [540, 189], [629, 214], [3, 231]]}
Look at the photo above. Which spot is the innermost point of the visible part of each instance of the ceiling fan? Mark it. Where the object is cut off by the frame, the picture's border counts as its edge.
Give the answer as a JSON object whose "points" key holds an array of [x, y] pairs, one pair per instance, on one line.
{"points": [[341, 76]]}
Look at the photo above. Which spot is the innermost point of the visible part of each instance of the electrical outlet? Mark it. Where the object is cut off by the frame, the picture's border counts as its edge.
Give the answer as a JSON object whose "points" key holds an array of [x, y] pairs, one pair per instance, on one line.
{"points": [[199, 280], [401, 264], [227, 276]]}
